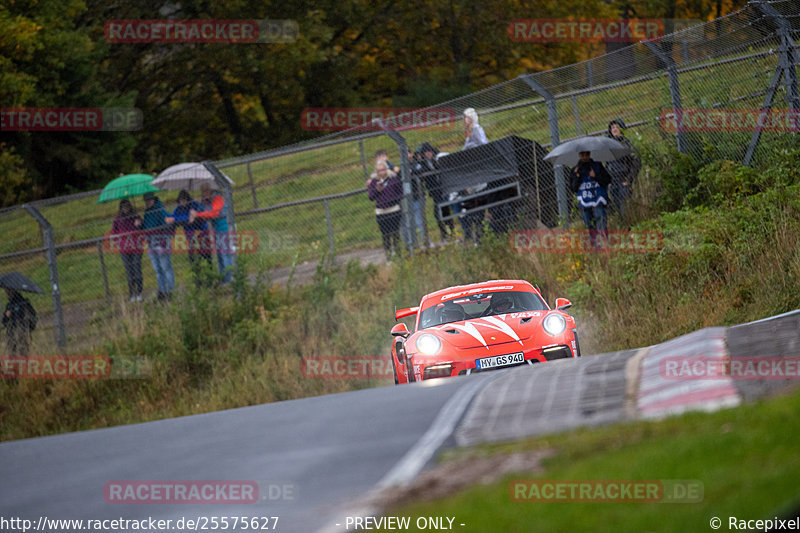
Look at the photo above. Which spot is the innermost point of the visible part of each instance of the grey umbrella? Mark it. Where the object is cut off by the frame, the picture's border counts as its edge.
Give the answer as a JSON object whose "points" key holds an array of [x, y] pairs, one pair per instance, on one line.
{"points": [[187, 176], [19, 282], [601, 148]]}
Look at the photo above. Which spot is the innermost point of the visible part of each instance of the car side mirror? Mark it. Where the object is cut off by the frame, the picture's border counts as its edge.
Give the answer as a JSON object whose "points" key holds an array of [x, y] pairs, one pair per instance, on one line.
{"points": [[400, 330], [562, 304]]}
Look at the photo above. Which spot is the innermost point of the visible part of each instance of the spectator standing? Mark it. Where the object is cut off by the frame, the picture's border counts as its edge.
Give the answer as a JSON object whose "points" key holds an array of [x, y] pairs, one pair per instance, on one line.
{"points": [[159, 242], [19, 320], [589, 179], [125, 232], [472, 223], [216, 211], [417, 195], [624, 170], [386, 191], [429, 173], [198, 240]]}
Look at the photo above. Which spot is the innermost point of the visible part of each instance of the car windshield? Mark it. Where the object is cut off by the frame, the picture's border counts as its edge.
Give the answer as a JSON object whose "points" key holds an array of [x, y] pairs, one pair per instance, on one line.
{"points": [[480, 305]]}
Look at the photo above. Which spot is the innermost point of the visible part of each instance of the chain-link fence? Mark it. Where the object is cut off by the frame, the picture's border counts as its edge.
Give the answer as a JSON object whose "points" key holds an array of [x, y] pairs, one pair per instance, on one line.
{"points": [[704, 91]]}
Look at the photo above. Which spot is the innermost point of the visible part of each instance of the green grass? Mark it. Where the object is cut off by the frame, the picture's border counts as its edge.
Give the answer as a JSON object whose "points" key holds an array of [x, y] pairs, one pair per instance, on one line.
{"points": [[746, 458]]}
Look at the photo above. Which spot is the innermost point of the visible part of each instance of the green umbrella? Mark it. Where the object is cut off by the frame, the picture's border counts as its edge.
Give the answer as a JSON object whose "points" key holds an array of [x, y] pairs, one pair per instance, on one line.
{"points": [[127, 186]]}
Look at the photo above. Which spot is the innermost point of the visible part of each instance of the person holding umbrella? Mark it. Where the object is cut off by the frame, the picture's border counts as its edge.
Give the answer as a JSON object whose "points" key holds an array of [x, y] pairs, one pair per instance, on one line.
{"points": [[197, 236], [589, 179], [125, 235], [19, 316]]}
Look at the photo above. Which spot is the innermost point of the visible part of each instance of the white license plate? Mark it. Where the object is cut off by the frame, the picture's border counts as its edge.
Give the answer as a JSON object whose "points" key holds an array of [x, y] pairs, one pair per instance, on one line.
{"points": [[500, 360]]}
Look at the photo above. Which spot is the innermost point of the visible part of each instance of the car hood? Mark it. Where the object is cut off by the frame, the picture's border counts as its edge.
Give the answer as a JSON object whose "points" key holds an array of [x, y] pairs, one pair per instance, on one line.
{"points": [[491, 330]]}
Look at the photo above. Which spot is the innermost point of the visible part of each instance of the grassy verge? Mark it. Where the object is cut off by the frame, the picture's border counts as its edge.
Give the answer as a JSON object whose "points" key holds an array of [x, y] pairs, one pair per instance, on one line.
{"points": [[745, 458]]}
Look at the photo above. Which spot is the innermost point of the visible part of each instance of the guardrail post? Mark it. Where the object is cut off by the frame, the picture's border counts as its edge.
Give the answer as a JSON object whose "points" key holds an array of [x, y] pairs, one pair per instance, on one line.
{"points": [[674, 91], [552, 120], [103, 268], [50, 253]]}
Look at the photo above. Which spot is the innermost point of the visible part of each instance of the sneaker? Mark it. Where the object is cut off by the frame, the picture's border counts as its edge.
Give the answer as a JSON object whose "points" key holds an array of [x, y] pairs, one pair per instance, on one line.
{"points": [[138, 298], [133, 299]]}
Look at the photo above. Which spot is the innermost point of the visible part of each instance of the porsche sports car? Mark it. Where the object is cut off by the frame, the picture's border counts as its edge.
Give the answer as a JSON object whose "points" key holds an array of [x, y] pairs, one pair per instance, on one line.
{"points": [[479, 327]]}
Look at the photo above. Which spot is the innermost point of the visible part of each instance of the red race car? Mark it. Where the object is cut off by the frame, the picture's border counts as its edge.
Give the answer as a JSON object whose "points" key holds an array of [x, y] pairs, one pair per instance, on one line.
{"points": [[478, 327]]}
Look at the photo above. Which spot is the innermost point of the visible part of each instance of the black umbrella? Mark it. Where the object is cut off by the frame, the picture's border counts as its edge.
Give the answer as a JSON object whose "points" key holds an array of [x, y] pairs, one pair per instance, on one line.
{"points": [[19, 282]]}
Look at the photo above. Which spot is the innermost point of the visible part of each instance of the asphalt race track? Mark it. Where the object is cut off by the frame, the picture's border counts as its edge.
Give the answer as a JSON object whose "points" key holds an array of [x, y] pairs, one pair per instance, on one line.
{"points": [[312, 456]]}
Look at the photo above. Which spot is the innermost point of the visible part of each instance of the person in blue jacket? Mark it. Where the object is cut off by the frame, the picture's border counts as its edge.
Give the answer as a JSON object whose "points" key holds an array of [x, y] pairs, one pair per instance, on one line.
{"points": [[199, 243], [589, 179], [158, 234]]}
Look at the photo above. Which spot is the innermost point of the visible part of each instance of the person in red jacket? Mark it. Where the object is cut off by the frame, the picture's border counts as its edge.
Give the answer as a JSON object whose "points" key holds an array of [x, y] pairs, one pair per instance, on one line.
{"points": [[125, 232]]}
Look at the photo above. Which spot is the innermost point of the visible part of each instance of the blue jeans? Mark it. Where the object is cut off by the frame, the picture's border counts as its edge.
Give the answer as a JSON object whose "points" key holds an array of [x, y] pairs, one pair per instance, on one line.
{"points": [[161, 258], [596, 219], [226, 251]]}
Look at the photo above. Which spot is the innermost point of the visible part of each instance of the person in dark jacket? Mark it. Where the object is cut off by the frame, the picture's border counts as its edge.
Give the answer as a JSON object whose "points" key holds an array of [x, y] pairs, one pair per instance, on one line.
{"points": [[624, 170], [198, 240], [128, 240], [159, 242], [429, 173], [19, 319], [386, 191], [589, 179]]}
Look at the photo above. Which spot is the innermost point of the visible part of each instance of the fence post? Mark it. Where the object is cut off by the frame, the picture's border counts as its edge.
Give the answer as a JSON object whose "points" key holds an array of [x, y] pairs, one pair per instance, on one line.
{"points": [[330, 228], [787, 60], [674, 92], [552, 120], [103, 268], [363, 159], [50, 253], [252, 185]]}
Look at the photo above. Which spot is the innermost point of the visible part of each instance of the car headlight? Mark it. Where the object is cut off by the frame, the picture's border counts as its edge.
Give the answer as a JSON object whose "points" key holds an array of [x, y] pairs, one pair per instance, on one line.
{"points": [[428, 344], [554, 324]]}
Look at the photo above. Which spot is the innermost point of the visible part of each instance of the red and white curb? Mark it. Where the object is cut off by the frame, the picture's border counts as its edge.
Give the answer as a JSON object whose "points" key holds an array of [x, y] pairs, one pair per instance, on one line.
{"points": [[659, 396]]}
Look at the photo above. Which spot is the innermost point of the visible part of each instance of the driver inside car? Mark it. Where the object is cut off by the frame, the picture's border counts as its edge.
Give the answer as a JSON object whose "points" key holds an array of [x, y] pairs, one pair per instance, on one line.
{"points": [[452, 312], [501, 303]]}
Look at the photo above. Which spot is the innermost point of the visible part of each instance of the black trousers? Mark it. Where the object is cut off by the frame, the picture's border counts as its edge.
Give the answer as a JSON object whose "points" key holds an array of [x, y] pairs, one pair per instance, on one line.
{"points": [[389, 225], [133, 270]]}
